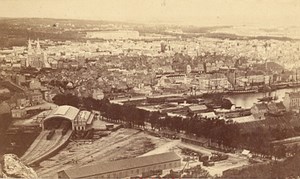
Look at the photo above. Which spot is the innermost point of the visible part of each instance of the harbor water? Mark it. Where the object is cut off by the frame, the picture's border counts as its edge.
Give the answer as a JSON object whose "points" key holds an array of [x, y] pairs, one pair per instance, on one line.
{"points": [[247, 100]]}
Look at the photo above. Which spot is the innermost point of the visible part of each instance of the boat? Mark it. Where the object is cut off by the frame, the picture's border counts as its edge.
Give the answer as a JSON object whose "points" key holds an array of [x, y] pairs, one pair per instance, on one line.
{"points": [[265, 99], [279, 86], [242, 91], [268, 98], [294, 85]]}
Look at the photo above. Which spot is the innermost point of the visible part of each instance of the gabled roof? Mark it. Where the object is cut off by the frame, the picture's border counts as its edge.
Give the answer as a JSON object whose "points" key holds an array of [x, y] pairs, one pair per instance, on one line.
{"points": [[280, 106], [120, 165]]}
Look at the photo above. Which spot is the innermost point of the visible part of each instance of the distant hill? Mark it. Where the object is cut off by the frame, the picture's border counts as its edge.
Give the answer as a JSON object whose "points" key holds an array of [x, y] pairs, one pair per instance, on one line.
{"points": [[16, 31]]}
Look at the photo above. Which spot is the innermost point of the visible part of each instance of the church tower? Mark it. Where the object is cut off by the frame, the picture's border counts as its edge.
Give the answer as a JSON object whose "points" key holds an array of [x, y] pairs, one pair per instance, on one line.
{"points": [[29, 48], [38, 47]]}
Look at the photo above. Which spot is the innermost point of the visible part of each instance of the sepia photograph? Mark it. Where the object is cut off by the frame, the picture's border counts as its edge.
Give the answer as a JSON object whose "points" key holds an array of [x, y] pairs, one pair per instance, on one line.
{"points": [[144, 89]]}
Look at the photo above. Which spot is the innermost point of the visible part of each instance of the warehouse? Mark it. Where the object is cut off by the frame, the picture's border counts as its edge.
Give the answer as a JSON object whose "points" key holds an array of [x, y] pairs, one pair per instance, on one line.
{"points": [[124, 168]]}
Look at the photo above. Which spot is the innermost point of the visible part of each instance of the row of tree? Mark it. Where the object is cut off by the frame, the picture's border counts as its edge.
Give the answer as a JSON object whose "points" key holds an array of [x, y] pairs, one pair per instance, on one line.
{"points": [[219, 131]]}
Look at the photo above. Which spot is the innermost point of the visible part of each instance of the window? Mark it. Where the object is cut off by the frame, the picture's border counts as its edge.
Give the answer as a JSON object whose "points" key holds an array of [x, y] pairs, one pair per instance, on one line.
{"points": [[137, 171]]}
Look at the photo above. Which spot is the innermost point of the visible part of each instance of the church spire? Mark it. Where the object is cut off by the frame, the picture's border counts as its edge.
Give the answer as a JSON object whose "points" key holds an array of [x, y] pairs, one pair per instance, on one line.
{"points": [[38, 46], [29, 45]]}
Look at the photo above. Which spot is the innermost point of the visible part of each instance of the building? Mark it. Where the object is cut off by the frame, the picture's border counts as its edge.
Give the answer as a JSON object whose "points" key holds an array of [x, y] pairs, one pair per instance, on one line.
{"points": [[243, 119], [79, 120], [4, 109], [124, 168], [166, 80], [83, 120], [5, 116], [212, 82], [196, 141], [209, 115], [35, 84], [97, 94], [18, 113], [256, 78], [219, 81], [261, 109], [196, 109], [23, 102], [292, 101], [35, 98]]}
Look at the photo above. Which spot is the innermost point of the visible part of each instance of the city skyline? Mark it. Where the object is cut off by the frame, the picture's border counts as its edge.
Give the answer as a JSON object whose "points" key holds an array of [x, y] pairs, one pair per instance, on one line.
{"points": [[189, 12]]}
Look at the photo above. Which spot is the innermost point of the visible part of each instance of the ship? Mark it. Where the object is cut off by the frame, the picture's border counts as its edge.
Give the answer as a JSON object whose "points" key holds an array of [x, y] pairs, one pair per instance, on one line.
{"points": [[241, 91], [279, 86], [267, 99], [294, 85]]}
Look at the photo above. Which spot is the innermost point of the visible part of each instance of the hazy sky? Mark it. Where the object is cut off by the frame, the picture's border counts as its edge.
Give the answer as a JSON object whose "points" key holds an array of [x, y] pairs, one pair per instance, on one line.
{"points": [[197, 12]]}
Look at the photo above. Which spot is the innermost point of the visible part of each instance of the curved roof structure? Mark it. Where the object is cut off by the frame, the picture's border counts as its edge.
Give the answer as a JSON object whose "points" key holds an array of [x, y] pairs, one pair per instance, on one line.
{"points": [[65, 111]]}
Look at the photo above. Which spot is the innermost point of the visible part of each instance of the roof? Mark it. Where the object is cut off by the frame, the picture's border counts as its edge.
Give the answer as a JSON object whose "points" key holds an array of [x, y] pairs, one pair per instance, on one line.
{"points": [[251, 73], [294, 94], [90, 120], [197, 108], [196, 139], [244, 119], [119, 165], [209, 114], [280, 106], [245, 152], [261, 106], [64, 111], [83, 116], [272, 106]]}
